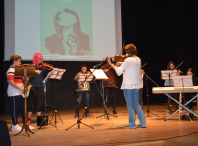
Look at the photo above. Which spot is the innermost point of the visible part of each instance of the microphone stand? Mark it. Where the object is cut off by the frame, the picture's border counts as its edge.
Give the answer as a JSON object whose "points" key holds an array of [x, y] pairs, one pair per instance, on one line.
{"points": [[79, 120]]}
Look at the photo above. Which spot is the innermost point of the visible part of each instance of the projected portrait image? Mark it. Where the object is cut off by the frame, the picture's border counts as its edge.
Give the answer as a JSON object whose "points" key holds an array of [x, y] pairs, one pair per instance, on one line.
{"points": [[68, 40]]}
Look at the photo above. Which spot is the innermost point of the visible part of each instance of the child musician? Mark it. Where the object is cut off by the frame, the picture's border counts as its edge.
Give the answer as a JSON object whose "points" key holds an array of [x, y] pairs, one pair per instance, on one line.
{"points": [[15, 89], [36, 99], [169, 83], [83, 89]]}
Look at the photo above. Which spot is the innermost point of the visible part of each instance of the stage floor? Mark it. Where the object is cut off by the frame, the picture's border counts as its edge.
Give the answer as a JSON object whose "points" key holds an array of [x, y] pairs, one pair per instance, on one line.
{"points": [[109, 132]]}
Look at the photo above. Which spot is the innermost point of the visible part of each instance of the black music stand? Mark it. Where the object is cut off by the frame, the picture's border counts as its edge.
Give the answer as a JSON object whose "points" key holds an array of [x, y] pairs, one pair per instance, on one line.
{"points": [[168, 75], [25, 71], [45, 118], [106, 101], [147, 91], [100, 75], [56, 75]]}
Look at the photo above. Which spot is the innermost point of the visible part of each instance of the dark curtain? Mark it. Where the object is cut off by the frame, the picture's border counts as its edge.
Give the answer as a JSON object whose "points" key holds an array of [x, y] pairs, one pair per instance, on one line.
{"points": [[163, 31]]}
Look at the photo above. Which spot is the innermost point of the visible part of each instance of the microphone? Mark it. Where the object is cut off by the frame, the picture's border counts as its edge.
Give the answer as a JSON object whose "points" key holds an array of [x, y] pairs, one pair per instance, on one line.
{"points": [[98, 65]]}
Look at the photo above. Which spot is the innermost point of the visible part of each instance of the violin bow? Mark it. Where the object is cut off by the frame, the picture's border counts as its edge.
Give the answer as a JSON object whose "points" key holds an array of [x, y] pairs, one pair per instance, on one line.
{"points": [[179, 65], [144, 65], [122, 48]]}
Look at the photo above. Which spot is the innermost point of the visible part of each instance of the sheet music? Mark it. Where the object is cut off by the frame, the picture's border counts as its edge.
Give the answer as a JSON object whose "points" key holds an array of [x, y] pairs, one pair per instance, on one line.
{"points": [[57, 74], [99, 74], [165, 74], [83, 76], [182, 81]]}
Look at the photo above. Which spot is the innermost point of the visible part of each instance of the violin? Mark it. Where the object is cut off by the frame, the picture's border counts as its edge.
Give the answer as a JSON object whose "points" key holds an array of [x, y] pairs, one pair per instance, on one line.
{"points": [[119, 58], [48, 67], [179, 71]]}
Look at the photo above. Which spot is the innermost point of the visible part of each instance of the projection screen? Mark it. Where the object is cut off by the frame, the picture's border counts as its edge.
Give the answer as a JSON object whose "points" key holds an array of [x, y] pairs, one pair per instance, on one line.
{"points": [[68, 30]]}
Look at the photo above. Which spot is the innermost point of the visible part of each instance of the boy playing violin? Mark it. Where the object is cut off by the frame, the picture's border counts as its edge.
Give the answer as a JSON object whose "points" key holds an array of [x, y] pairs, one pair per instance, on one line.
{"points": [[83, 89]]}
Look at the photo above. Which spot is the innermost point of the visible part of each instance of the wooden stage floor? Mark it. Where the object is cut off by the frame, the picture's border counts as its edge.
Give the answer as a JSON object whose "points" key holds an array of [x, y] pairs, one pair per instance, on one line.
{"points": [[109, 132]]}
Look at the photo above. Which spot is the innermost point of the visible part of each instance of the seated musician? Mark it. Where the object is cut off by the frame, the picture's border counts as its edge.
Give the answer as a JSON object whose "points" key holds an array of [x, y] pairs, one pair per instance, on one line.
{"points": [[189, 96], [83, 89], [15, 89], [169, 83]]}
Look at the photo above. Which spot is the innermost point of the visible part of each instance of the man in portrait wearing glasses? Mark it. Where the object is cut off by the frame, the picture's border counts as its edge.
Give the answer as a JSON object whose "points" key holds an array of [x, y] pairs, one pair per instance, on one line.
{"points": [[68, 40]]}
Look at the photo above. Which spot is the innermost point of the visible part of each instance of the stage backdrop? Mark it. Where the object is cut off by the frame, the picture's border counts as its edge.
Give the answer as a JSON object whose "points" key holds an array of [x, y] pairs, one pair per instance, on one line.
{"points": [[162, 30]]}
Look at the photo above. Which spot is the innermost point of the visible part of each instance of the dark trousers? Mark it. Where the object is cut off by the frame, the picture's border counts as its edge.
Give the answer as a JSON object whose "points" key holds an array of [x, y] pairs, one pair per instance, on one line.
{"points": [[79, 99], [140, 97], [175, 96], [17, 101], [36, 100], [187, 97], [110, 92]]}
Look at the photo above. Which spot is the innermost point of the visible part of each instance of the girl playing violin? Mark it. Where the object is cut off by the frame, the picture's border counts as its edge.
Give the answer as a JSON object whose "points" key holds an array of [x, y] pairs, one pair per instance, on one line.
{"points": [[169, 83], [131, 85], [35, 101]]}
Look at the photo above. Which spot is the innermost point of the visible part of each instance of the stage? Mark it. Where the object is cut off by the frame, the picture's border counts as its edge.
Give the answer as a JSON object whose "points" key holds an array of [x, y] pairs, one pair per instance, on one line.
{"points": [[109, 132]]}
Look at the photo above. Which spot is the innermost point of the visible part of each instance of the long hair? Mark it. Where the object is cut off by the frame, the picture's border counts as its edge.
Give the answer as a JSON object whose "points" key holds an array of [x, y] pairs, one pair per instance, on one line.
{"points": [[36, 57], [193, 75], [168, 65]]}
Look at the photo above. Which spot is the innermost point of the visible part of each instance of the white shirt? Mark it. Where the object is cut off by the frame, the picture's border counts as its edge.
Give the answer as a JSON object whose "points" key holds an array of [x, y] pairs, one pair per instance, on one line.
{"points": [[131, 67], [10, 76]]}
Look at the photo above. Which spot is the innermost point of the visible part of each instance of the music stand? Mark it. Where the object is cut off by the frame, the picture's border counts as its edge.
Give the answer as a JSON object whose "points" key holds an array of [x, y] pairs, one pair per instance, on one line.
{"points": [[45, 118], [25, 71], [168, 75], [56, 75], [82, 78], [182, 81], [100, 75]]}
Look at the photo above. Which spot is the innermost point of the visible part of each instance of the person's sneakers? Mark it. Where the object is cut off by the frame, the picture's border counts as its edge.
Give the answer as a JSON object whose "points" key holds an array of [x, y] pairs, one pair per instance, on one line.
{"points": [[114, 112], [16, 128], [76, 116], [140, 126], [127, 127], [29, 120], [87, 116]]}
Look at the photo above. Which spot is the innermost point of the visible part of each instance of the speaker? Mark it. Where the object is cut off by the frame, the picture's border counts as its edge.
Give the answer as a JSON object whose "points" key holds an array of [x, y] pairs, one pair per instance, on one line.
{"points": [[42, 118], [4, 134]]}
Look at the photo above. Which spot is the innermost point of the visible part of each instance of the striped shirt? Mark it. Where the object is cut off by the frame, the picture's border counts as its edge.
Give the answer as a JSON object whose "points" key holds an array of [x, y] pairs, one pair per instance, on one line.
{"points": [[10, 76]]}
